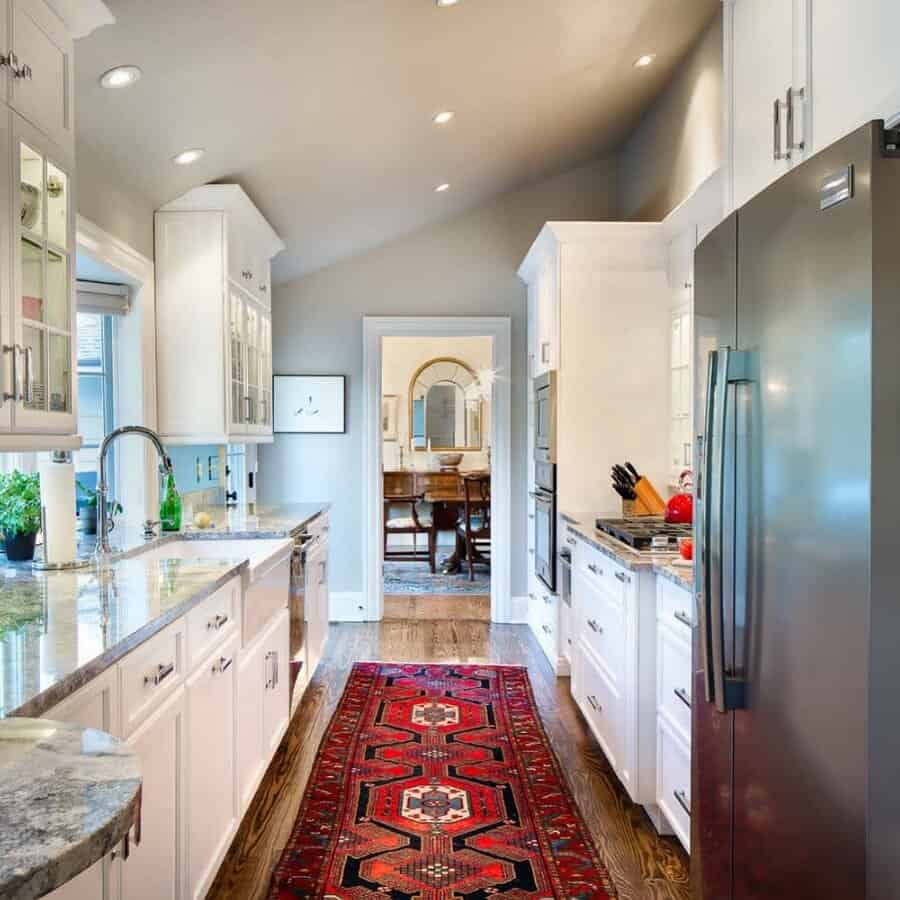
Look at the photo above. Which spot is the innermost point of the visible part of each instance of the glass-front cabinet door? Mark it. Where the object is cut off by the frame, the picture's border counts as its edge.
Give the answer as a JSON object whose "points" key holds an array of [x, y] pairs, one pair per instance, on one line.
{"points": [[251, 322], [265, 369], [237, 362], [43, 308]]}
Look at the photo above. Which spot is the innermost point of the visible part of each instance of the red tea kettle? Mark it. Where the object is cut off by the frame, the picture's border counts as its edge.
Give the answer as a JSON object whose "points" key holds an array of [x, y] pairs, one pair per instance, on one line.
{"points": [[680, 508]]}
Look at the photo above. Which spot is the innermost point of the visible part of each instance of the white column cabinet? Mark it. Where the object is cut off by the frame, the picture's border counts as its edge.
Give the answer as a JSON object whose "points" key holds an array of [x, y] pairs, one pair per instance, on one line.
{"points": [[214, 353], [211, 802]]}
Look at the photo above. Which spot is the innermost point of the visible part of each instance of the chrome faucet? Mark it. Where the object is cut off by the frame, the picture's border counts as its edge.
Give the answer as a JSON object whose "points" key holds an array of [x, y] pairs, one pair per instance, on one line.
{"points": [[165, 467]]}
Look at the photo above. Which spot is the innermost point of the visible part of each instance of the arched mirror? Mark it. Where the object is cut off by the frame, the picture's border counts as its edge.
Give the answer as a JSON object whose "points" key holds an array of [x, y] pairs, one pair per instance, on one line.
{"points": [[445, 406]]}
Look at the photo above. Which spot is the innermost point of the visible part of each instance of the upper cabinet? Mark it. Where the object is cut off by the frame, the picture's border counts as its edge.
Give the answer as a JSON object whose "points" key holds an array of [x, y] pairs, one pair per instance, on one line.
{"points": [[38, 398], [39, 66], [214, 322], [801, 75]]}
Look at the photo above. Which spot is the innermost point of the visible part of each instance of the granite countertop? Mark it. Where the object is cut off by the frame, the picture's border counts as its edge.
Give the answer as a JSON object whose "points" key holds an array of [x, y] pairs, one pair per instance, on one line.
{"points": [[59, 630], [68, 795], [581, 525]]}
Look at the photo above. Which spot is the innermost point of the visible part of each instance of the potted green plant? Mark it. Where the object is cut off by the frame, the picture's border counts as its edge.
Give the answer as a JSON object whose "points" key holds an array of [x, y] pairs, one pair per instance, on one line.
{"points": [[88, 510], [20, 513]]}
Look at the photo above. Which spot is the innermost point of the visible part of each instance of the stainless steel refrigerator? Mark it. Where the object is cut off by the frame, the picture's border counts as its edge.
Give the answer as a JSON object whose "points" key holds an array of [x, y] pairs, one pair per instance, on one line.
{"points": [[795, 787]]}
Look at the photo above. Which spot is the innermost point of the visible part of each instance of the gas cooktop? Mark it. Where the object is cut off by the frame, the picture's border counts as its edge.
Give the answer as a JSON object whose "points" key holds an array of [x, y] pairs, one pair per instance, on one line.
{"points": [[638, 532]]}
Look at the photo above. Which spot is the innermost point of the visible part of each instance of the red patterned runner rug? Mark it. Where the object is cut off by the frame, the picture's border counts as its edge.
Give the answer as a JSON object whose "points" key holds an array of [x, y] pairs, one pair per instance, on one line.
{"points": [[438, 782]]}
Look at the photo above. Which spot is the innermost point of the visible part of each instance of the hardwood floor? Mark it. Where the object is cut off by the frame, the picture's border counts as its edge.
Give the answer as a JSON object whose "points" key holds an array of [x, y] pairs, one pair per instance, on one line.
{"points": [[474, 607], [643, 865]]}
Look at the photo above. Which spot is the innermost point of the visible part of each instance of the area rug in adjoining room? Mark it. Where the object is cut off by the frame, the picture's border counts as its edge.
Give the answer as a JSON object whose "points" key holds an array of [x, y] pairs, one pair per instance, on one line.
{"points": [[416, 578], [438, 782]]}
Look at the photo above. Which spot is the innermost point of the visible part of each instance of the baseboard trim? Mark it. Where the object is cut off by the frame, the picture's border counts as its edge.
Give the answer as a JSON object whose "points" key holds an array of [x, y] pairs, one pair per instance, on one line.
{"points": [[346, 606], [518, 611]]}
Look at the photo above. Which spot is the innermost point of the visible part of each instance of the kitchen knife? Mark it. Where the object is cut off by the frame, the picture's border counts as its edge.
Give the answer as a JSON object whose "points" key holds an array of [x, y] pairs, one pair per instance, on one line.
{"points": [[624, 475], [633, 472]]}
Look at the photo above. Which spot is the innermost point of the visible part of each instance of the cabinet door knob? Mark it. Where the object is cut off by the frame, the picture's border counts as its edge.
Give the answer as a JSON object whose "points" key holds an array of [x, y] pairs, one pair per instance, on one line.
{"points": [[622, 577], [593, 701], [592, 624]]}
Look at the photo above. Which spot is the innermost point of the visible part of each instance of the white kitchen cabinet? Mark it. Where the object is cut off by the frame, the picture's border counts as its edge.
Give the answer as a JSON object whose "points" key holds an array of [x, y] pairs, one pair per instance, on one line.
{"points": [[154, 867], [214, 335], [802, 75], [263, 704], [42, 91], [614, 678], [96, 705], [211, 796], [854, 65], [674, 669], [762, 59], [276, 686]]}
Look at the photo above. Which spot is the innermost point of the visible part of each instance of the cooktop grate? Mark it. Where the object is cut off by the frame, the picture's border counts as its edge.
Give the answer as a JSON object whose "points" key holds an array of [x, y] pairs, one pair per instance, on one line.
{"points": [[638, 532]]}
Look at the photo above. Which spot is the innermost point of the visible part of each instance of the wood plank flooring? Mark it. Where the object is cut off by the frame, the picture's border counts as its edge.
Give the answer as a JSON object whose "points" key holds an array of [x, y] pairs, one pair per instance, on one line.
{"points": [[643, 865], [473, 607]]}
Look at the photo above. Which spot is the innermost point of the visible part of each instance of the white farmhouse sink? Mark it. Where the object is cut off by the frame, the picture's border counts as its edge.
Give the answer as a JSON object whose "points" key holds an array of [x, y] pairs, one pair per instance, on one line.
{"points": [[261, 553]]}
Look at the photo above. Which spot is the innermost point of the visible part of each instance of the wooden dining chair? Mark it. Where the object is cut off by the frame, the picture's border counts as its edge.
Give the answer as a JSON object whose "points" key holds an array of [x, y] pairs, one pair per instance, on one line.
{"points": [[399, 492], [475, 527]]}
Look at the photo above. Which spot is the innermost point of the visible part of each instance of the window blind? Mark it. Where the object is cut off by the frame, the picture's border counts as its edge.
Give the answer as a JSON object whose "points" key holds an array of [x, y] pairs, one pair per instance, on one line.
{"points": [[103, 299]]}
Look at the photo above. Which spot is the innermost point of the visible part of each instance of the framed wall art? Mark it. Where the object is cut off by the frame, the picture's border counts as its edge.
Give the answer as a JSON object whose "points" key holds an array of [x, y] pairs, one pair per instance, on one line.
{"points": [[309, 404]]}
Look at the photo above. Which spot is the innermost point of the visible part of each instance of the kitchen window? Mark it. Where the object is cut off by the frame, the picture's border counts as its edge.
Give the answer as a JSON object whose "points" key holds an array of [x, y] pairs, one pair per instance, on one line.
{"points": [[96, 397]]}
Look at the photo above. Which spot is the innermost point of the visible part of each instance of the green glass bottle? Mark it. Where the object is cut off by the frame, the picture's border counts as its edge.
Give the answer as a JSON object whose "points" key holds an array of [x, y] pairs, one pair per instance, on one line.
{"points": [[170, 508]]}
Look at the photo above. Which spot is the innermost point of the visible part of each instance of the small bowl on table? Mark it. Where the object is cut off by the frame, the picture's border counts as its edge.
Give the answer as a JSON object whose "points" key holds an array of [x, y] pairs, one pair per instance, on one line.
{"points": [[449, 462]]}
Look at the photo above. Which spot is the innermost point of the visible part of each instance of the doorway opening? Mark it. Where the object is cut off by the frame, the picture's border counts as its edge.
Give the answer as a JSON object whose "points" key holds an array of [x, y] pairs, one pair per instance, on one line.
{"points": [[436, 458], [436, 468]]}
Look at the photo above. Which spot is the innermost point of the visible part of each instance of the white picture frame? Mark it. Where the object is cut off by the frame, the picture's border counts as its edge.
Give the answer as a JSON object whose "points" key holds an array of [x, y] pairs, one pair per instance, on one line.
{"points": [[309, 404]]}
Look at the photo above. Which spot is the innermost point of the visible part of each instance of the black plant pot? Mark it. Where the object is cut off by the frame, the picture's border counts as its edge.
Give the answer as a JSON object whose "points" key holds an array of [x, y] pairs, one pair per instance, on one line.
{"points": [[20, 547]]}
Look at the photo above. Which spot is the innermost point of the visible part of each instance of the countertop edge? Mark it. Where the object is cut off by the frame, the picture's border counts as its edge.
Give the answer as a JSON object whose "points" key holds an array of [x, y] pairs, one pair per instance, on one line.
{"points": [[44, 879], [42, 703]]}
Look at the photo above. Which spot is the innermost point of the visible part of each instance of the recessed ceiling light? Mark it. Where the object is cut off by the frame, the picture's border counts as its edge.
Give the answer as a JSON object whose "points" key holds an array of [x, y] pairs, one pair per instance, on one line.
{"points": [[643, 61], [443, 117], [446, 2], [186, 157], [120, 77], [442, 187]]}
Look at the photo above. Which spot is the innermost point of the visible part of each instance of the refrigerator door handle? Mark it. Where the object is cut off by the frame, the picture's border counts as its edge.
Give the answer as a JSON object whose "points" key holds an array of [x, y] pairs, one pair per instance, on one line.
{"points": [[727, 691], [704, 588]]}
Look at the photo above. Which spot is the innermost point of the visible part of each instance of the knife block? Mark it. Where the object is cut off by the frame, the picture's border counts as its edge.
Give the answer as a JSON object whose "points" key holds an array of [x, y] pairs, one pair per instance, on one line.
{"points": [[634, 508]]}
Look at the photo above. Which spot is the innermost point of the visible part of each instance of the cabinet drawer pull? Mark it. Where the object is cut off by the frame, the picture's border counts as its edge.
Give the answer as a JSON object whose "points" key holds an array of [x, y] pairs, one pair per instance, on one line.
{"points": [[683, 617], [593, 701], [681, 797], [569, 541], [531, 596], [592, 624], [547, 599], [682, 695], [595, 569], [547, 629], [223, 665], [216, 622], [622, 577], [163, 671]]}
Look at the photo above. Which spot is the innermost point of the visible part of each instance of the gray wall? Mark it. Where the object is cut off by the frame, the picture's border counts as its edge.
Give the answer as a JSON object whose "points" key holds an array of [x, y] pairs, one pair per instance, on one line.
{"points": [[679, 142], [466, 266], [108, 200]]}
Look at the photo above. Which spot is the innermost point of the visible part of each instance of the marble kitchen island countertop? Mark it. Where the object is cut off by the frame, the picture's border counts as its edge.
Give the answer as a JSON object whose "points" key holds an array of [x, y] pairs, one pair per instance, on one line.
{"points": [[59, 630], [682, 576], [68, 795], [257, 521]]}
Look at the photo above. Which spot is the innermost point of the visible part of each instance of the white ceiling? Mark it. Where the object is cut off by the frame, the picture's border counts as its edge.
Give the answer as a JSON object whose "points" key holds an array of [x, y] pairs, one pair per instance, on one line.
{"points": [[322, 109]]}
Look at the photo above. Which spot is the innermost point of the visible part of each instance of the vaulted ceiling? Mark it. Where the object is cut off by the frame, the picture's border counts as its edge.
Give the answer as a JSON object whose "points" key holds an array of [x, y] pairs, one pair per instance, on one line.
{"points": [[322, 109]]}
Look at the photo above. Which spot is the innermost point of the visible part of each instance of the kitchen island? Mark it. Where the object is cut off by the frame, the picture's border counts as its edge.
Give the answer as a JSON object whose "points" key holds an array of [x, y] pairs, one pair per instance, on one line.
{"points": [[186, 660]]}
